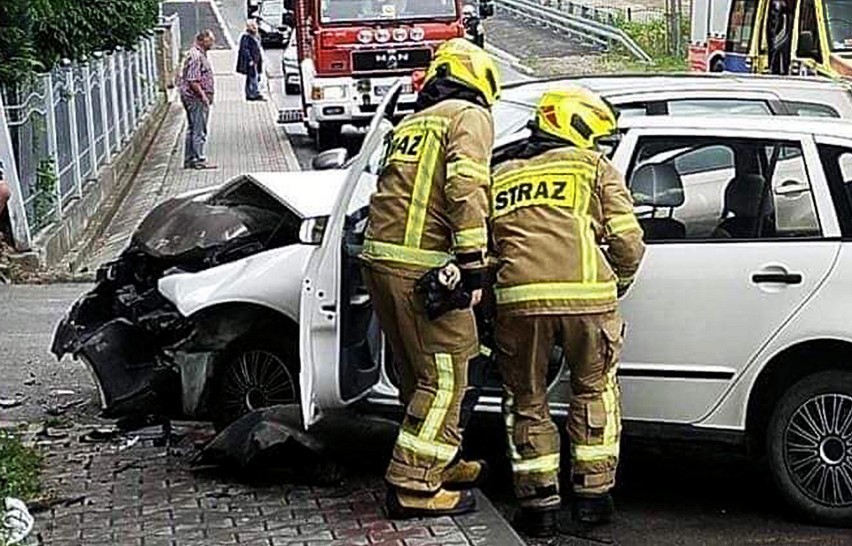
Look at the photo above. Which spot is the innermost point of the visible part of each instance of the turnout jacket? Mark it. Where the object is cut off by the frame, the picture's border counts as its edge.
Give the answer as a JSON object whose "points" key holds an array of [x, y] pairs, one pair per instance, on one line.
{"points": [[431, 201], [564, 231]]}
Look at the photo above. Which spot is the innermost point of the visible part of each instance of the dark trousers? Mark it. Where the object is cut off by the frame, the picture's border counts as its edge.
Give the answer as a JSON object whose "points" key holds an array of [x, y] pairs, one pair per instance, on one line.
{"points": [[252, 84]]}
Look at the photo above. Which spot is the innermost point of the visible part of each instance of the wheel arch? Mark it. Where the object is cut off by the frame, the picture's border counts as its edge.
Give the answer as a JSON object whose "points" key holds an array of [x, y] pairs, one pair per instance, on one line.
{"points": [[782, 371], [221, 325], [718, 56]]}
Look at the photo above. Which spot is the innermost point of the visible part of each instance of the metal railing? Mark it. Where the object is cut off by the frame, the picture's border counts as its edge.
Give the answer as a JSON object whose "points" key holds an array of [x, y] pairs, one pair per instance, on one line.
{"points": [[66, 124], [583, 26]]}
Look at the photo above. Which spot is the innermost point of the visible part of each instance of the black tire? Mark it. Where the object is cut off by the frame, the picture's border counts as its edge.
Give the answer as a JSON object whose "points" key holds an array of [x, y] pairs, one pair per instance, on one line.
{"points": [[251, 375], [328, 136], [809, 447], [718, 65]]}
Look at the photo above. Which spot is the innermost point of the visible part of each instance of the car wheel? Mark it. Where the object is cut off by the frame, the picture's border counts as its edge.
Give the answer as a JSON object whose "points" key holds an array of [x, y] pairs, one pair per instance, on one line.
{"points": [[809, 447], [251, 376], [328, 136]]}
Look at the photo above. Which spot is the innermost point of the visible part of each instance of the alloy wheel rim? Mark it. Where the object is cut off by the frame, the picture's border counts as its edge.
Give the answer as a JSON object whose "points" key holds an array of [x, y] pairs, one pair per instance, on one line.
{"points": [[258, 379], [818, 449]]}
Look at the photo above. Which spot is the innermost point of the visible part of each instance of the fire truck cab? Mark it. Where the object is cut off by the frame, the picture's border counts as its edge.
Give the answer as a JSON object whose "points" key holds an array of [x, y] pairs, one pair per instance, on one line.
{"points": [[352, 51]]}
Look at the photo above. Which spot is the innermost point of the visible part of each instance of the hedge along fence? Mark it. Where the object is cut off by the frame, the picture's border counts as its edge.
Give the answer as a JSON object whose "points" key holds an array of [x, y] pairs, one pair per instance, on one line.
{"points": [[37, 34]]}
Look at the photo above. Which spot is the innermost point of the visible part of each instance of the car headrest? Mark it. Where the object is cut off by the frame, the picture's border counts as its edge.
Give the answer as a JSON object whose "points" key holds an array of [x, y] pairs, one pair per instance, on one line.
{"points": [[657, 185], [743, 197]]}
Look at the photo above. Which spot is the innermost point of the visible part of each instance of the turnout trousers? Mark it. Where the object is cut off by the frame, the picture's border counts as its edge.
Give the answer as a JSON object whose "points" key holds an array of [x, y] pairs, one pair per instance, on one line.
{"points": [[432, 359], [592, 346]]}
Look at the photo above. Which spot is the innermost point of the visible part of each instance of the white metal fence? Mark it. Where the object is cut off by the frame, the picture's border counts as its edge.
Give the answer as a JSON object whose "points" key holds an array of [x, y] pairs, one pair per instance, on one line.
{"points": [[66, 124]]}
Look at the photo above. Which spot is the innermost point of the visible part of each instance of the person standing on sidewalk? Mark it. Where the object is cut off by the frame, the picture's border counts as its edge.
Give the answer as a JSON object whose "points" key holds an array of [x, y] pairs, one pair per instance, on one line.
{"points": [[196, 94], [430, 208], [568, 245], [250, 61]]}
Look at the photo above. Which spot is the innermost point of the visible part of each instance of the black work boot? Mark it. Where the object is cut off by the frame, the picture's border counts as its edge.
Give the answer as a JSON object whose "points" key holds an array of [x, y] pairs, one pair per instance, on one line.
{"points": [[592, 509], [537, 522]]}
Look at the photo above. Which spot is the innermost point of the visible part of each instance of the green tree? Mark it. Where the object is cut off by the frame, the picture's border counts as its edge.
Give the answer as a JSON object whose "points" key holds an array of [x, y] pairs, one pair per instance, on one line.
{"points": [[37, 33]]}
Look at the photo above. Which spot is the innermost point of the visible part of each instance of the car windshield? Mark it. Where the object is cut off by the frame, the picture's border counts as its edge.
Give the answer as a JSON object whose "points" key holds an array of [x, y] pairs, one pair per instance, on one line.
{"points": [[336, 11], [271, 9], [838, 14]]}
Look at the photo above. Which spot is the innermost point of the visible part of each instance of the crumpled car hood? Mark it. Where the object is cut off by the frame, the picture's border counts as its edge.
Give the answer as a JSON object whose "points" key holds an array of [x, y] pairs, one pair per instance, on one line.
{"points": [[308, 193]]}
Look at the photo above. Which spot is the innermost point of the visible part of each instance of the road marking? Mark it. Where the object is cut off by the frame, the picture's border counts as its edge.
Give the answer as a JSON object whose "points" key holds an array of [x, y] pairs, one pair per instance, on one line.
{"points": [[227, 33]]}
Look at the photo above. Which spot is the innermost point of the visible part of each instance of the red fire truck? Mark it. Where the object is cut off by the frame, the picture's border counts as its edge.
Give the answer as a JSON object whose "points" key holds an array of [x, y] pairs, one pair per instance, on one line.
{"points": [[709, 31], [351, 51]]}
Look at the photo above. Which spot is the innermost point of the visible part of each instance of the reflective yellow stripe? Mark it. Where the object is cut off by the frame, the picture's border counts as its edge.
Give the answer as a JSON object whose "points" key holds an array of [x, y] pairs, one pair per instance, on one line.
{"points": [[556, 291], [539, 465], [588, 243], [612, 427], [426, 448], [441, 403], [476, 237], [377, 250], [624, 281], [622, 223], [594, 453], [421, 191], [509, 420], [429, 123], [469, 168], [553, 190], [576, 168]]}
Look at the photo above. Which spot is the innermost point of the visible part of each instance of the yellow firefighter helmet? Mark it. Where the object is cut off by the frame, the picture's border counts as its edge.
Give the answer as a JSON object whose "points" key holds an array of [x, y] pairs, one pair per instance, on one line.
{"points": [[463, 62], [576, 115]]}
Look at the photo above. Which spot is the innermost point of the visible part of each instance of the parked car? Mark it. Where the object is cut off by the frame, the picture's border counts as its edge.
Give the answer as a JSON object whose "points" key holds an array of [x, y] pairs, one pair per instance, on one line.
{"points": [[270, 16], [688, 94], [290, 68], [737, 323], [251, 7]]}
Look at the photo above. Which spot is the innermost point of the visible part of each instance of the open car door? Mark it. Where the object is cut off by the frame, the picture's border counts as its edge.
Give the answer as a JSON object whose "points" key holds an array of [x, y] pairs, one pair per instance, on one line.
{"points": [[339, 338]]}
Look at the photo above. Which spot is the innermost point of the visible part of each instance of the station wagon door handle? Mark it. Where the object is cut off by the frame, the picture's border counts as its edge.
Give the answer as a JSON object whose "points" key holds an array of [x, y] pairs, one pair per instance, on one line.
{"points": [[777, 278]]}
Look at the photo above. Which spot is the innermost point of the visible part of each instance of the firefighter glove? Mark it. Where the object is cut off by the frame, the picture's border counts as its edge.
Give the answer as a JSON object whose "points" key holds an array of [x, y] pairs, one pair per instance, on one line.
{"points": [[442, 290]]}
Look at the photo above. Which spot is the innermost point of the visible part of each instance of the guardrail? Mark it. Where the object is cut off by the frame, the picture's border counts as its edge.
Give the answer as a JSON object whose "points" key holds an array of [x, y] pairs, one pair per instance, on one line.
{"points": [[581, 27]]}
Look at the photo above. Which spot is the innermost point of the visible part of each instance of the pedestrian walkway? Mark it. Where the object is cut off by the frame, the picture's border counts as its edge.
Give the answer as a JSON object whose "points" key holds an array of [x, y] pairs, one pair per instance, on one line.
{"points": [[131, 492], [243, 137]]}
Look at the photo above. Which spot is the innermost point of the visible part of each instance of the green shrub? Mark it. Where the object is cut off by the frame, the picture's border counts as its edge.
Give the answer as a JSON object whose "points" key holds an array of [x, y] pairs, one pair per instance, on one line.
{"points": [[38, 33], [19, 469]]}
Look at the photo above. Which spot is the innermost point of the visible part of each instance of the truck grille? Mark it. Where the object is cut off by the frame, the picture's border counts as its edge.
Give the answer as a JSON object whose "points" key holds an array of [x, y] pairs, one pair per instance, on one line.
{"points": [[392, 59]]}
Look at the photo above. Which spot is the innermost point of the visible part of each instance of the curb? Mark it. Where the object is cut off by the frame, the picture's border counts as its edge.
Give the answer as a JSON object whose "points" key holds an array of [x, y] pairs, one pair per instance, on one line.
{"points": [[487, 526], [512, 60]]}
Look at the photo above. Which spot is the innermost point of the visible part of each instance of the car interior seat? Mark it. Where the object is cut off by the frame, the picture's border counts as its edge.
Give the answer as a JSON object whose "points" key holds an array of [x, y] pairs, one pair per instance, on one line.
{"points": [[747, 208], [658, 186]]}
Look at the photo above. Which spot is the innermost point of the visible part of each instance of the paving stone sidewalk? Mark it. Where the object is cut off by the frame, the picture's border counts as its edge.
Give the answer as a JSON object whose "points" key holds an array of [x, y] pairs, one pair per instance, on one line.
{"points": [[243, 137], [136, 493]]}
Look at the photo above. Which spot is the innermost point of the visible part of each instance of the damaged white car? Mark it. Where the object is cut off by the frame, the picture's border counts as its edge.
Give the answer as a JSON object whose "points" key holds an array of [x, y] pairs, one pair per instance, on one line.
{"points": [[251, 294]]}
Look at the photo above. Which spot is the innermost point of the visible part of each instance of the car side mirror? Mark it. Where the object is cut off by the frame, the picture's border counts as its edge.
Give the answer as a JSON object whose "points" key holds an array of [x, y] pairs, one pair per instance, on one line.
{"points": [[807, 45], [288, 19], [486, 8], [330, 159]]}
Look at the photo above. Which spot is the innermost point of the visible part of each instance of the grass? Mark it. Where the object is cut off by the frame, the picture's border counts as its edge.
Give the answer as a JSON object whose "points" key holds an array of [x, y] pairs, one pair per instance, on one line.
{"points": [[19, 469]]}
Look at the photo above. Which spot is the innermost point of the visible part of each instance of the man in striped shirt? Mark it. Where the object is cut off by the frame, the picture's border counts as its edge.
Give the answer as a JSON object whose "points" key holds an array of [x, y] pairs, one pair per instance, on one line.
{"points": [[196, 93]]}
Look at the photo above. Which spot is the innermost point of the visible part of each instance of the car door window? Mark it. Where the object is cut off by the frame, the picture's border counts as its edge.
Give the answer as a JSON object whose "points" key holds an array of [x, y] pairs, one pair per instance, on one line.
{"points": [[812, 110], [719, 107], [717, 189], [837, 164]]}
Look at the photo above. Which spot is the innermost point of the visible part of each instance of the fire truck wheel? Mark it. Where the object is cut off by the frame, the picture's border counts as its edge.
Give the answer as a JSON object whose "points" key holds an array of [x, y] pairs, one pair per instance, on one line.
{"points": [[327, 136], [718, 65]]}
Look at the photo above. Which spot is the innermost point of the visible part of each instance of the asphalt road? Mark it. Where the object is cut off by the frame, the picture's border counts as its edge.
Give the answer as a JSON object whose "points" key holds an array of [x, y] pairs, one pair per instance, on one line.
{"points": [[666, 494]]}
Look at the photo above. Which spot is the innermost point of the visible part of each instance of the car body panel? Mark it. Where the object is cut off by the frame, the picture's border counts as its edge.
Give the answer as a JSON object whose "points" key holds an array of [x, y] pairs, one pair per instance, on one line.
{"points": [[265, 279], [289, 189]]}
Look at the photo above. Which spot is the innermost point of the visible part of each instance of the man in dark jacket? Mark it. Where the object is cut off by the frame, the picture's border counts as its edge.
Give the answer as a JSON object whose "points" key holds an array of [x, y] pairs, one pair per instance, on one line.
{"points": [[250, 61]]}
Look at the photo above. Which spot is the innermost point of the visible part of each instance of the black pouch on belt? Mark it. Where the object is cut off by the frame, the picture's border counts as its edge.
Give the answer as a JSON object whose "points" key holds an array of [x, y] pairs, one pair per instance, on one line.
{"points": [[442, 290]]}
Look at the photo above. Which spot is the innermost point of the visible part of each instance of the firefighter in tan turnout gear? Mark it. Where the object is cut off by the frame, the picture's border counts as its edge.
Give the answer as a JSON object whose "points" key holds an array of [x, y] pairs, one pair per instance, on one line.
{"points": [[568, 244], [430, 209]]}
